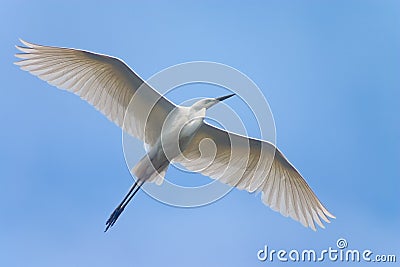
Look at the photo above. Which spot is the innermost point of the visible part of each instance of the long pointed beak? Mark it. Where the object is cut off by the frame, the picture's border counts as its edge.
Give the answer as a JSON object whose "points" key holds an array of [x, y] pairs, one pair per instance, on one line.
{"points": [[222, 98]]}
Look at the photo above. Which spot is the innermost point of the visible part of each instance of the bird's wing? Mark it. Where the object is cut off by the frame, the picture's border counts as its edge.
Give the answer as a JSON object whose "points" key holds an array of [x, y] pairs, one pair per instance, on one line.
{"points": [[105, 82], [254, 165]]}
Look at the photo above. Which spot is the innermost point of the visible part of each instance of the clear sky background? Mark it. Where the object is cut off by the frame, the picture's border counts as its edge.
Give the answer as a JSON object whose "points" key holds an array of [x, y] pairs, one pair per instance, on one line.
{"points": [[329, 69]]}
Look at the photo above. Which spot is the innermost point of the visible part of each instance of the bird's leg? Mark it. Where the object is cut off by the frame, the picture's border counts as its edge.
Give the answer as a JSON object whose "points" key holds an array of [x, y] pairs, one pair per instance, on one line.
{"points": [[117, 212]]}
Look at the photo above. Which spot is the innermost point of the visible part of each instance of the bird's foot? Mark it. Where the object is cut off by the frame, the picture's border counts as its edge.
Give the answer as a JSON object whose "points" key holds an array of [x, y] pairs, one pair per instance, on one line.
{"points": [[113, 218]]}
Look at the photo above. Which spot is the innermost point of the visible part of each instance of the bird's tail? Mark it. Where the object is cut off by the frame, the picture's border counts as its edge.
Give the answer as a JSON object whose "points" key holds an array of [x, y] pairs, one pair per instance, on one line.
{"points": [[146, 171]]}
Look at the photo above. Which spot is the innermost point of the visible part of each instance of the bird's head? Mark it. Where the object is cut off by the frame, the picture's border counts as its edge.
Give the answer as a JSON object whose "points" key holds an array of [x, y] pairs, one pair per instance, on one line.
{"points": [[207, 103]]}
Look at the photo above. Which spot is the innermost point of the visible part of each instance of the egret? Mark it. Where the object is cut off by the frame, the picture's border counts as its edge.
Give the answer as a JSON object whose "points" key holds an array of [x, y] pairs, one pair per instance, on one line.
{"points": [[110, 85]]}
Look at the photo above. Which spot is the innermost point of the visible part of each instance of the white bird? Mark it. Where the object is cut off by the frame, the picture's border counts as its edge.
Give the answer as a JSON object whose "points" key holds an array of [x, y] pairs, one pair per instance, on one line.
{"points": [[109, 85]]}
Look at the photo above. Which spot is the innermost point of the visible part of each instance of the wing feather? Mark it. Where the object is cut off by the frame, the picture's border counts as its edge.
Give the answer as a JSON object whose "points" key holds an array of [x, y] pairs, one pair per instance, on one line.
{"points": [[266, 169], [103, 81]]}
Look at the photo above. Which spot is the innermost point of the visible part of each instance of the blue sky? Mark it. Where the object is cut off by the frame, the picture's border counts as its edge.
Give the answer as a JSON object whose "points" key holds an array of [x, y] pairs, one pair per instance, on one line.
{"points": [[330, 71]]}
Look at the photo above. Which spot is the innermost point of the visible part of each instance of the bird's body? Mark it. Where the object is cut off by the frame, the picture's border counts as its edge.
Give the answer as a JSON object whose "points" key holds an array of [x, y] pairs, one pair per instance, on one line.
{"points": [[174, 133], [179, 128]]}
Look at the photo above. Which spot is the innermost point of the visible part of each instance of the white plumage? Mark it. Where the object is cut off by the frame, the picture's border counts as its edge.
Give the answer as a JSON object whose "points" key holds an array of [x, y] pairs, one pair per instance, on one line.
{"points": [[111, 86]]}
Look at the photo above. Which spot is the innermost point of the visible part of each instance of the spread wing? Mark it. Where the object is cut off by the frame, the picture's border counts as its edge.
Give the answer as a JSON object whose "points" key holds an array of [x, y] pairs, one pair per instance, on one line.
{"points": [[254, 165], [105, 82]]}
